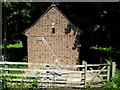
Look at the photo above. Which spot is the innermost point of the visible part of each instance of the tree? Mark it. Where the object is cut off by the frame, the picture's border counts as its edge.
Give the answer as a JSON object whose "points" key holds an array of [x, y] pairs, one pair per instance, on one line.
{"points": [[99, 21], [19, 17]]}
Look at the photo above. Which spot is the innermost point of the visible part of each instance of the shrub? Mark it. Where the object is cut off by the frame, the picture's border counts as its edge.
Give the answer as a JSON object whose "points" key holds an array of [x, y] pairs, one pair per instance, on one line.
{"points": [[115, 81]]}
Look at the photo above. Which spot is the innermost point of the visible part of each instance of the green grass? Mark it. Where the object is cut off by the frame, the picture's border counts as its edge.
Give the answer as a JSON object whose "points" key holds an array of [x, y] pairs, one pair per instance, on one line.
{"points": [[22, 84], [14, 66], [17, 66], [16, 45]]}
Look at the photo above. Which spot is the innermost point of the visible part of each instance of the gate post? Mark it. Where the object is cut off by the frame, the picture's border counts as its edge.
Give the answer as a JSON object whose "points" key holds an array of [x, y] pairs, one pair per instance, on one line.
{"points": [[6, 66], [108, 71], [85, 72], [83, 63], [113, 68]]}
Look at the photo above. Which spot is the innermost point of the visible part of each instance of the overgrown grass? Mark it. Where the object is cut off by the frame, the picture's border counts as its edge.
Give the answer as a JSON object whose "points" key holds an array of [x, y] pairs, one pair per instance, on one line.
{"points": [[115, 81]]}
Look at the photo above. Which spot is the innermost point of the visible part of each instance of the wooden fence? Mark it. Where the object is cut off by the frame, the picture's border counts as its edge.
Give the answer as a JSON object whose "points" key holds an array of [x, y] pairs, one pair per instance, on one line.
{"points": [[86, 75]]}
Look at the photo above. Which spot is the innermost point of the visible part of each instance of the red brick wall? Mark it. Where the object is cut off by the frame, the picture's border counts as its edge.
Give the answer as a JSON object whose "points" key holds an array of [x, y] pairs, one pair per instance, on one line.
{"points": [[60, 43]]}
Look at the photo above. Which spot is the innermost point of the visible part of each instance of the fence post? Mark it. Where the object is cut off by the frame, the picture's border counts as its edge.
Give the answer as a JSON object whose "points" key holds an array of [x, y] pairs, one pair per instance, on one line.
{"points": [[113, 68], [108, 71], [83, 63], [6, 66], [85, 72]]}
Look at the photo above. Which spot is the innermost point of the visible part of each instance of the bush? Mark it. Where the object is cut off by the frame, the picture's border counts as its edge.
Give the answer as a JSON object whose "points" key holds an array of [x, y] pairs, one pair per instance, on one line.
{"points": [[115, 81]]}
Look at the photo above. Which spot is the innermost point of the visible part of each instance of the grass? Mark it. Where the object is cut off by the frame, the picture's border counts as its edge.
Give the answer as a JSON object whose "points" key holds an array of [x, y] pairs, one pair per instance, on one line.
{"points": [[10, 86], [16, 66], [22, 84], [16, 45]]}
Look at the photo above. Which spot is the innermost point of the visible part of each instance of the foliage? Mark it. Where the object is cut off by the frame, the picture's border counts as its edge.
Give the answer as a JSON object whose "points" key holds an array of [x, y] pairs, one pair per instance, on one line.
{"points": [[105, 49], [96, 27], [96, 18], [16, 45], [100, 48], [17, 16], [18, 66], [99, 22], [115, 81], [25, 59]]}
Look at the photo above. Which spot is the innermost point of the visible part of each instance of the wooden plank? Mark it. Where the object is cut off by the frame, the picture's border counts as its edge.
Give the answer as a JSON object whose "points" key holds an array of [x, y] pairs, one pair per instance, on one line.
{"points": [[6, 66], [85, 75], [20, 80], [42, 70], [19, 75], [26, 75], [104, 80], [42, 64], [49, 84], [39, 81], [103, 75], [113, 68], [96, 71], [99, 64], [97, 86], [83, 63], [41, 76], [45, 81], [24, 63], [108, 72], [72, 65]]}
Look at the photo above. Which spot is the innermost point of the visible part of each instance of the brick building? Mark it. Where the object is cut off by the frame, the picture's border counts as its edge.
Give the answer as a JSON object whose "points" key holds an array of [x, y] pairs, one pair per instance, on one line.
{"points": [[52, 39]]}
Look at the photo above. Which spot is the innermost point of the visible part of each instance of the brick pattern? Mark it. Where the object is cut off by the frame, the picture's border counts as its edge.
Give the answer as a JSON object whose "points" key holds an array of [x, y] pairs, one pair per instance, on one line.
{"points": [[60, 43]]}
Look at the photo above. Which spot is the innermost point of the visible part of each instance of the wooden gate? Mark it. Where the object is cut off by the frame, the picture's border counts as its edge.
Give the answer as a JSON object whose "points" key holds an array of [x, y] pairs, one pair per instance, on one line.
{"points": [[89, 75], [97, 74]]}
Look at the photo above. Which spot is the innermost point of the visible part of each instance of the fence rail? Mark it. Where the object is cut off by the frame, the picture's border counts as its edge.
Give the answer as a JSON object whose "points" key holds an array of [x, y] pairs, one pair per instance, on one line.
{"points": [[86, 76], [45, 64]]}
